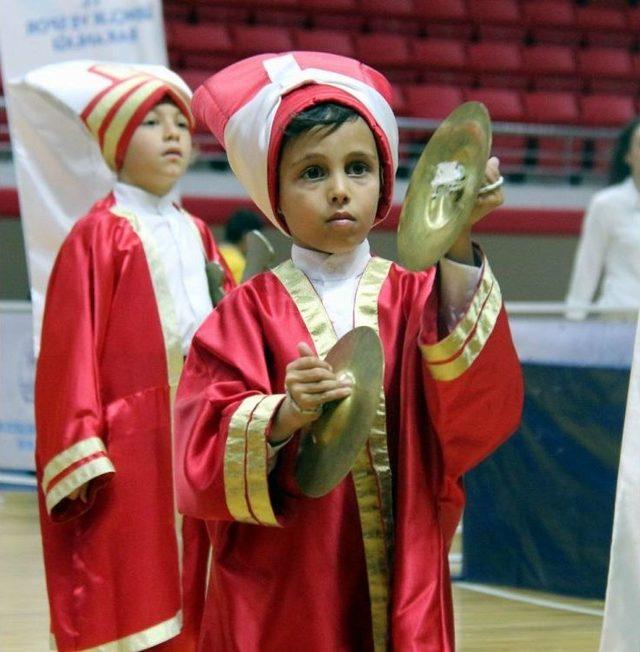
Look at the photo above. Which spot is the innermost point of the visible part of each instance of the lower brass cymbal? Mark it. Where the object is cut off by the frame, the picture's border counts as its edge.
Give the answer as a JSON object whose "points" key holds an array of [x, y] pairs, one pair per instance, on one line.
{"points": [[444, 186], [330, 447]]}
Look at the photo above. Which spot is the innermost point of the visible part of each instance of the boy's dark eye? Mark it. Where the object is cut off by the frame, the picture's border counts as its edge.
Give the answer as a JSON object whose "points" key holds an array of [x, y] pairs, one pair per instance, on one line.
{"points": [[357, 168], [312, 173], [150, 121]]}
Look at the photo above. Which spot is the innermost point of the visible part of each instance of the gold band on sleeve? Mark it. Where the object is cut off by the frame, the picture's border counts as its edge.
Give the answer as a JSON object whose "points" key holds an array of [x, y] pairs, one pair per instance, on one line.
{"points": [[452, 356]]}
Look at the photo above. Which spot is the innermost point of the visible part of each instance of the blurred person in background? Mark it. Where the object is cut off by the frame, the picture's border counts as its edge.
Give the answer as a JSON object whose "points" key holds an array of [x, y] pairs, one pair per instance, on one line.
{"points": [[608, 254], [234, 246]]}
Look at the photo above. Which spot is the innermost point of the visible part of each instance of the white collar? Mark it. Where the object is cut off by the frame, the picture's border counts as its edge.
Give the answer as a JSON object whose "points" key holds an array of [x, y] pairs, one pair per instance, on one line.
{"points": [[319, 266], [140, 200]]}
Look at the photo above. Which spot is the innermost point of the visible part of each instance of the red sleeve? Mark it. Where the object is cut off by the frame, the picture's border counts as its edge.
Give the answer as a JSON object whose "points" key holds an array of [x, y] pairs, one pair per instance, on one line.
{"points": [[71, 438], [224, 408], [472, 379]]}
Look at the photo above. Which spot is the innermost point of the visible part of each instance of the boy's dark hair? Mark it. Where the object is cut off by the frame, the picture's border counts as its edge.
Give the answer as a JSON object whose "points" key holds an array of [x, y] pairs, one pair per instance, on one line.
{"points": [[620, 169], [327, 114], [241, 221]]}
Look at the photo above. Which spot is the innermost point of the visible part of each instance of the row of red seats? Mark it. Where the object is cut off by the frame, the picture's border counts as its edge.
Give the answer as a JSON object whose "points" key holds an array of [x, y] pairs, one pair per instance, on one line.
{"points": [[558, 21], [496, 63], [536, 107]]}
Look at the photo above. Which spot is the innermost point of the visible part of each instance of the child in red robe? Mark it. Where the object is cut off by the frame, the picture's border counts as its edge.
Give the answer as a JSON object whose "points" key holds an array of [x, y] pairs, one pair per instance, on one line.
{"points": [[313, 139], [128, 290]]}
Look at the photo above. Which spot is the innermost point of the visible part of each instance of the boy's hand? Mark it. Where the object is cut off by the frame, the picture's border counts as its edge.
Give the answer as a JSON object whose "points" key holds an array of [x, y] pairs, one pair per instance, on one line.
{"points": [[310, 383], [461, 250], [80, 492], [485, 203]]}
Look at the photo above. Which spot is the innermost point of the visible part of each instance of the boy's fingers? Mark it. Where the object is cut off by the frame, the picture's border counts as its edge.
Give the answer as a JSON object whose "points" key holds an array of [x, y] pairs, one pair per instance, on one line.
{"points": [[308, 363], [305, 350]]}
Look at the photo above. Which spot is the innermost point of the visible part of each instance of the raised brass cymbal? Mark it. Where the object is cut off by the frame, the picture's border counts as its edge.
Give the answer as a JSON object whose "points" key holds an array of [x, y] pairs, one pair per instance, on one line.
{"points": [[444, 186], [330, 447]]}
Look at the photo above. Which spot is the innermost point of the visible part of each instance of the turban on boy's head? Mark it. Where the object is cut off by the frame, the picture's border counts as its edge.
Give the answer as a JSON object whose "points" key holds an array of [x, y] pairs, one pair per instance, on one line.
{"points": [[249, 104], [111, 98]]}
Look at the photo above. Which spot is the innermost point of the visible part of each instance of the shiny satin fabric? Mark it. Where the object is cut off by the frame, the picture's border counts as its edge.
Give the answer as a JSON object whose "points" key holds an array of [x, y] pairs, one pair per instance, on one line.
{"points": [[303, 582], [102, 393]]}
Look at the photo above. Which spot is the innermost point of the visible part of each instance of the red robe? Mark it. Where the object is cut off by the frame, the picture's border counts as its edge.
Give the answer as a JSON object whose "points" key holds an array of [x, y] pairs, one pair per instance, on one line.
{"points": [[109, 363], [364, 567]]}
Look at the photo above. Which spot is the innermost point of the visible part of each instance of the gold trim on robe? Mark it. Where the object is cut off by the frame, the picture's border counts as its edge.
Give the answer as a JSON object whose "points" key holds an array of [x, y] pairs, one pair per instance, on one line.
{"points": [[452, 356], [145, 639], [88, 471], [371, 473], [246, 463], [169, 326], [72, 455]]}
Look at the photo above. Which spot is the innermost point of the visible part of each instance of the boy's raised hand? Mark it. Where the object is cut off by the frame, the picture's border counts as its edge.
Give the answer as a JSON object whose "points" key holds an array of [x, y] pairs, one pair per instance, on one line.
{"points": [[310, 383], [485, 203], [462, 251]]}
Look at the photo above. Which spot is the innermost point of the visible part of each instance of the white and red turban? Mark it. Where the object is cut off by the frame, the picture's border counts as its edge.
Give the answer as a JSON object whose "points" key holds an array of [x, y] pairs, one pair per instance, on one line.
{"points": [[110, 98], [249, 104]]}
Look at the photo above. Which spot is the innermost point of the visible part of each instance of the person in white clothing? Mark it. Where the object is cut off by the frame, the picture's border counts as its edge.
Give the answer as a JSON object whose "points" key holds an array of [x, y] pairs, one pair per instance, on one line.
{"points": [[608, 254]]}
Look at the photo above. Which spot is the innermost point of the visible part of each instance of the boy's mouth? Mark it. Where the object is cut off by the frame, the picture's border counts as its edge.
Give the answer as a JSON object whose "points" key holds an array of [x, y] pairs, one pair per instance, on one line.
{"points": [[342, 216], [172, 152]]}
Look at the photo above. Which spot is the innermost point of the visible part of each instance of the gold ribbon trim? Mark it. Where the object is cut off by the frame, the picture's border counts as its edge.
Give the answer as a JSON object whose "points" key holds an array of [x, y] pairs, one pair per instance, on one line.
{"points": [[371, 473], [92, 469], [70, 456], [235, 484], [257, 464], [168, 324], [489, 316], [451, 345], [144, 639]]}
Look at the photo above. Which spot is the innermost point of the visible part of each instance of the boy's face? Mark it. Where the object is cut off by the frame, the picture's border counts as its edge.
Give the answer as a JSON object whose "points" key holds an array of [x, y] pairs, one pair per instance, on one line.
{"points": [[330, 186], [159, 150]]}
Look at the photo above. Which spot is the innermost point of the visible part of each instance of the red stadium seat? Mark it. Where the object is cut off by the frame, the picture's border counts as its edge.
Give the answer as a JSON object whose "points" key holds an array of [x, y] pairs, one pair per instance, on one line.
{"points": [[446, 19], [277, 12], [385, 16], [551, 107], [399, 100], [432, 101], [607, 70], [333, 14], [255, 39], [387, 51], [201, 37], [604, 26], [606, 110], [559, 153], [203, 45], [550, 67], [551, 21], [497, 19], [503, 104], [441, 61], [324, 40], [496, 63]]}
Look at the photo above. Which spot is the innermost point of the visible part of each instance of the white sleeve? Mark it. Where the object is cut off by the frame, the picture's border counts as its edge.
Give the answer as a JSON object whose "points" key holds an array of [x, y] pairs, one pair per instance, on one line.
{"points": [[458, 284], [589, 261]]}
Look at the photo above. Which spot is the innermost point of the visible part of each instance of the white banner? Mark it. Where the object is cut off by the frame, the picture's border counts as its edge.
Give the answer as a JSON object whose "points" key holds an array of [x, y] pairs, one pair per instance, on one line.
{"points": [[59, 173], [17, 428]]}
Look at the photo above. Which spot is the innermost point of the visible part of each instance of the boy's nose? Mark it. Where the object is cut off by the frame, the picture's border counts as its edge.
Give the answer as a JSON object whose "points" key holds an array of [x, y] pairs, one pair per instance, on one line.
{"points": [[338, 192], [171, 131]]}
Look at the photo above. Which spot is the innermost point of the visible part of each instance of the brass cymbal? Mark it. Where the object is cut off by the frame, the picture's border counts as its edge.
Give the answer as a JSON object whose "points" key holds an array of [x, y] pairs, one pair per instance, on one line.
{"points": [[260, 254], [330, 447], [444, 186]]}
